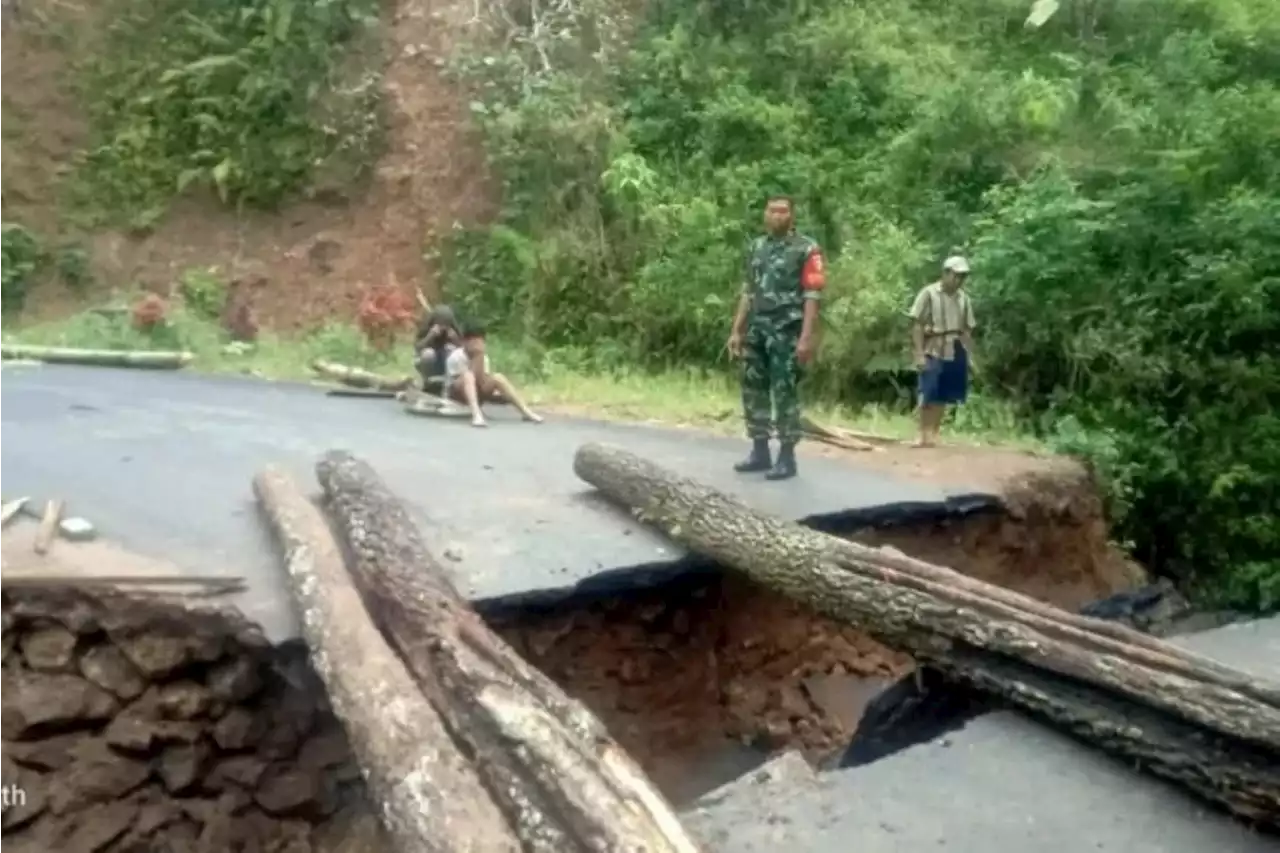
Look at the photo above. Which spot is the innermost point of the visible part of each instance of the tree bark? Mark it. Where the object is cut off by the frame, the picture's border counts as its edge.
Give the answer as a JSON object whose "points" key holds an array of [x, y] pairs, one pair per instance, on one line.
{"points": [[1185, 717], [157, 360], [428, 796], [561, 782]]}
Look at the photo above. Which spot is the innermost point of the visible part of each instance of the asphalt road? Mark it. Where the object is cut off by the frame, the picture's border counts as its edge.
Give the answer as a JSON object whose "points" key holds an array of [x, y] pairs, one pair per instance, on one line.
{"points": [[1002, 784], [162, 463]]}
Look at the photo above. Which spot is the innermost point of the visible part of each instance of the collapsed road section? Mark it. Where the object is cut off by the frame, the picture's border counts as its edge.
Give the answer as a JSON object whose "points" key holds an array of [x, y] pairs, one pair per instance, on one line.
{"points": [[452, 729]]}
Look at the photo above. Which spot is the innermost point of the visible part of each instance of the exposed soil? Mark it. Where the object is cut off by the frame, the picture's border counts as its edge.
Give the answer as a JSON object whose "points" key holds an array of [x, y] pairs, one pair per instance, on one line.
{"points": [[316, 256], [1050, 541], [702, 678]]}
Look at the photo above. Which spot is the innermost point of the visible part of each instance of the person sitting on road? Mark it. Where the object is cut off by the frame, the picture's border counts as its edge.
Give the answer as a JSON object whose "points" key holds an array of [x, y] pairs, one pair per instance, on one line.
{"points": [[437, 335], [471, 381]]}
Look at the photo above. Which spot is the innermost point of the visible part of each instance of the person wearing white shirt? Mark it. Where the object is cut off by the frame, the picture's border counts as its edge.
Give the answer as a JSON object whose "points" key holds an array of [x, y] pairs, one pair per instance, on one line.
{"points": [[942, 343], [471, 379]]}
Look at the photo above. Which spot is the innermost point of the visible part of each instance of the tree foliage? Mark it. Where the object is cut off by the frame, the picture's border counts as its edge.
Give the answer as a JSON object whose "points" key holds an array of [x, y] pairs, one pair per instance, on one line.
{"points": [[246, 98], [1112, 167]]}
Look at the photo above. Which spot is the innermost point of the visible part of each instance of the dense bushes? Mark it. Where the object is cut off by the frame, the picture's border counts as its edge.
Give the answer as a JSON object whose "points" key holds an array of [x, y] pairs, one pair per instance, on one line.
{"points": [[1115, 175], [247, 98]]}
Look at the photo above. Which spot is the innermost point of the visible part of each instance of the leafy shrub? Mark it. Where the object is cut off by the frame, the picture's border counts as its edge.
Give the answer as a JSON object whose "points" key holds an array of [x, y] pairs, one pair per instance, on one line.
{"points": [[204, 292], [22, 259], [71, 262], [239, 97]]}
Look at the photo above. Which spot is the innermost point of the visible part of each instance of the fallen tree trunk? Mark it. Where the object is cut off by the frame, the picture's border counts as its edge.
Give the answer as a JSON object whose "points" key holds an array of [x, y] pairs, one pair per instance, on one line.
{"points": [[428, 796], [562, 783], [1185, 717], [158, 360], [357, 377]]}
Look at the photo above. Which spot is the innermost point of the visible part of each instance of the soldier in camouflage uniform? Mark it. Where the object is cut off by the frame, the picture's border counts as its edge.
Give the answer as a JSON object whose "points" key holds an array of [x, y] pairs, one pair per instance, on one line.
{"points": [[774, 333]]}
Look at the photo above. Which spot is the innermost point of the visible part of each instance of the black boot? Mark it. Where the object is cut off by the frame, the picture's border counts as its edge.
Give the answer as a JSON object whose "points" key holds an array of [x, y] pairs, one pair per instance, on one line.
{"points": [[758, 460], [785, 467]]}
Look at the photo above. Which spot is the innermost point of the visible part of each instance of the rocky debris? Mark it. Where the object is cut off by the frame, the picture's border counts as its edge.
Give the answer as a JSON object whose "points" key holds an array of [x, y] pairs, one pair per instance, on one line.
{"points": [[50, 649], [107, 667], [129, 735], [37, 703]]}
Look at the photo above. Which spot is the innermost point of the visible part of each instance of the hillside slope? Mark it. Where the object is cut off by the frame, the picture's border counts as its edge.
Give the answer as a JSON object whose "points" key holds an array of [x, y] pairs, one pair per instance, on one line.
{"points": [[315, 255]]}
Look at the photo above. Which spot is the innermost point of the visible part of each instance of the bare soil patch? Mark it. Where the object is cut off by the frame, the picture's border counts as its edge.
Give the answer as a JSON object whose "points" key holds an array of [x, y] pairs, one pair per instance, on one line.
{"points": [[316, 256], [1049, 541]]}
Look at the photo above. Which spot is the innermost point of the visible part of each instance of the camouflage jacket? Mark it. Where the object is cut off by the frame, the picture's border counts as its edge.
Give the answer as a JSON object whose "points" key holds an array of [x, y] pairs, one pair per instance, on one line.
{"points": [[781, 273]]}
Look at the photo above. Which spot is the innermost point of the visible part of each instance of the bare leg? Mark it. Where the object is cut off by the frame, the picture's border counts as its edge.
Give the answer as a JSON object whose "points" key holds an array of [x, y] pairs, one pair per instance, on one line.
{"points": [[930, 422], [504, 386], [472, 395], [936, 413]]}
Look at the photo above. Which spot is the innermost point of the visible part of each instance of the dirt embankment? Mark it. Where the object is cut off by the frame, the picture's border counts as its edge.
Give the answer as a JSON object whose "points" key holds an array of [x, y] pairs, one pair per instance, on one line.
{"points": [[316, 256]]}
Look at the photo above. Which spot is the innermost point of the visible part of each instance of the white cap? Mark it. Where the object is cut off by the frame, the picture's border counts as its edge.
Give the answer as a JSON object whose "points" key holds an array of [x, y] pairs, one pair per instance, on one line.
{"points": [[956, 263]]}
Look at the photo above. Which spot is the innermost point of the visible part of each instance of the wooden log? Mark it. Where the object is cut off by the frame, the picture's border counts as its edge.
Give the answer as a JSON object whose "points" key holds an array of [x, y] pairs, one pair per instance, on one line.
{"points": [[372, 393], [562, 783], [835, 438], [840, 434], [358, 377], [428, 796], [48, 526], [1184, 717], [153, 360]]}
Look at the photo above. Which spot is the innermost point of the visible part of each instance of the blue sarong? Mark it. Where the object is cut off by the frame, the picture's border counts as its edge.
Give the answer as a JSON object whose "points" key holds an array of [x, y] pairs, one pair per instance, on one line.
{"points": [[945, 382]]}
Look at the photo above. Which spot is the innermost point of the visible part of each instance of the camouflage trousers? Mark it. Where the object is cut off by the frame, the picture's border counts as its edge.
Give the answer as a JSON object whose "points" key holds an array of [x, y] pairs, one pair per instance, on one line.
{"points": [[770, 381]]}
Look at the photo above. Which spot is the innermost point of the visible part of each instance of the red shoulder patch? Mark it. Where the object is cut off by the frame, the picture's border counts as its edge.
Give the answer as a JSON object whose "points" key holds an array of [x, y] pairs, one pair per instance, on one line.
{"points": [[814, 274]]}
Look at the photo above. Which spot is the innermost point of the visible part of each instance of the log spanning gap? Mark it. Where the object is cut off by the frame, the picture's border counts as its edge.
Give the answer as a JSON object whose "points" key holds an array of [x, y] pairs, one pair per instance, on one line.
{"points": [[1181, 716], [465, 746]]}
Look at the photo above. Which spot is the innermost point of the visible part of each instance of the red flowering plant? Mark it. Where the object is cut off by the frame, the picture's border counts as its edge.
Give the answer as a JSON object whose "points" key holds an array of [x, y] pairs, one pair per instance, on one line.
{"points": [[384, 312], [150, 312]]}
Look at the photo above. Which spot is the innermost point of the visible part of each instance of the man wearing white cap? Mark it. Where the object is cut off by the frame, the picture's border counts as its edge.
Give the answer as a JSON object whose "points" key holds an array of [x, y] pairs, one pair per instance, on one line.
{"points": [[942, 342]]}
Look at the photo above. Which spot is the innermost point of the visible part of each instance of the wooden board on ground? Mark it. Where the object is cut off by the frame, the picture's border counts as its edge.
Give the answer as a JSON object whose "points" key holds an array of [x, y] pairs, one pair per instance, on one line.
{"points": [[100, 563], [422, 403]]}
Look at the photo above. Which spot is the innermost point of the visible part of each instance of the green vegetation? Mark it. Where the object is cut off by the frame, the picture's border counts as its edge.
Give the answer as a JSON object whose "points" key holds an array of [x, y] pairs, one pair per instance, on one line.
{"points": [[252, 99], [23, 256], [26, 258], [1114, 175]]}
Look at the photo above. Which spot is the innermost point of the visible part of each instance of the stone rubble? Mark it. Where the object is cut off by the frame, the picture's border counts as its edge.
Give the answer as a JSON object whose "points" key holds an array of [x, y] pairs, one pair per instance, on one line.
{"points": [[137, 725]]}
